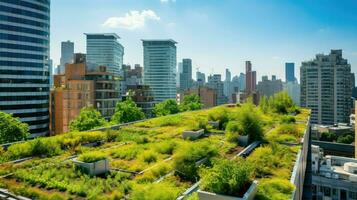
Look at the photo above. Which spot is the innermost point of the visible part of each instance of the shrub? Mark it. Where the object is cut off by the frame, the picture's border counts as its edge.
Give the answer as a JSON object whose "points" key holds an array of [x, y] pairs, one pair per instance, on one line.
{"points": [[128, 152], [166, 107], [88, 118], [166, 147], [149, 156], [329, 137], [45, 147], [233, 129], [91, 157], [221, 116], [187, 156], [274, 189], [250, 123], [229, 177], [345, 139], [160, 191], [288, 119]]}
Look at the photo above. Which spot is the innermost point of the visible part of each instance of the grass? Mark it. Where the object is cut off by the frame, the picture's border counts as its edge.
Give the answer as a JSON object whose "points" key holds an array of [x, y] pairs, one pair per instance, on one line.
{"points": [[155, 146]]}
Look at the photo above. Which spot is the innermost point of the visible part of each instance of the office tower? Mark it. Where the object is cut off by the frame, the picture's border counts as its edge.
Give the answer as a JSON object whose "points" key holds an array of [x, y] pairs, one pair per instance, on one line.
{"points": [[268, 87], [51, 70], [227, 91], [77, 88], [215, 82], [186, 74], [289, 72], [103, 49], [326, 88], [293, 90], [200, 78], [251, 78], [160, 68], [24, 62], [242, 82], [67, 52], [179, 71]]}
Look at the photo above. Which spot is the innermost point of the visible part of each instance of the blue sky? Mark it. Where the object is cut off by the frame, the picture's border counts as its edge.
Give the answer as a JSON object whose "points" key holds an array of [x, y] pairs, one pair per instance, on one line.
{"points": [[216, 34]]}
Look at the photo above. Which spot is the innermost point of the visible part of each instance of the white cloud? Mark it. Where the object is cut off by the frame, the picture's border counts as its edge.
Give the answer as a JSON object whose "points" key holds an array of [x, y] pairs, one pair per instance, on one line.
{"points": [[132, 20], [167, 1]]}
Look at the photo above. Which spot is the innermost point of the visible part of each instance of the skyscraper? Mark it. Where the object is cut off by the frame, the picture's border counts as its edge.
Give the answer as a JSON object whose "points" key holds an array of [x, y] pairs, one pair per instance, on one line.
{"points": [[67, 52], [326, 88], [228, 85], [24, 62], [160, 68], [186, 74], [103, 49], [200, 78], [251, 78], [242, 81], [215, 82], [289, 72]]}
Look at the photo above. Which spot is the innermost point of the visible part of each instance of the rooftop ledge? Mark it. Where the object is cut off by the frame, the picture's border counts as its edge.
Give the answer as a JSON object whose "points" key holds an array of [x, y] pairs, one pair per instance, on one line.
{"points": [[151, 158]]}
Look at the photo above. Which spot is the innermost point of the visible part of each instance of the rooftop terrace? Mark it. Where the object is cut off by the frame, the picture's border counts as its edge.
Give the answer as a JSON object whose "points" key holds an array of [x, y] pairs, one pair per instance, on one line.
{"points": [[151, 160]]}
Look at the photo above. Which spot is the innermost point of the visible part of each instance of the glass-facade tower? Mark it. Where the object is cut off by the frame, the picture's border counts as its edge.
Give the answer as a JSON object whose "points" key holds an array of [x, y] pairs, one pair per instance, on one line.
{"points": [[160, 68], [103, 49], [24, 62]]}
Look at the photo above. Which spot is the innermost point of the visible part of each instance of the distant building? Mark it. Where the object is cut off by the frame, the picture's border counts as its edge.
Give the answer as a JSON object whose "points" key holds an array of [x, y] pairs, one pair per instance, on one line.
{"points": [[77, 88], [178, 73], [160, 68], [215, 82], [186, 75], [242, 81], [67, 52], [103, 49], [200, 78], [143, 97], [293, 90], [333, 177], [290, 72], [207, 95], [251, 78], [228, 85], [326, 88], [268, 87]]}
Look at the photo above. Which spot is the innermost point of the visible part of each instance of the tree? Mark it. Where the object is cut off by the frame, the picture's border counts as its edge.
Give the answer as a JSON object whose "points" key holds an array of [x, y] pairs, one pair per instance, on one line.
{"points": [[87, 119], [166, 107], [12, 129], [191, 102], [250, 122], [345, 139], [282, 103], [127, 111]]}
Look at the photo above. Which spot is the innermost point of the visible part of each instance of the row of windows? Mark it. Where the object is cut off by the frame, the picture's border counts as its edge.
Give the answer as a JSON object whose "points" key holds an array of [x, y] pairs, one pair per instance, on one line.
{"points": [[25, 106], [23, 12], [29, 81], [29, 5], [23, 55], [21, 72], [22, 47], [36, 114], [23, 30], [39, 130], [30, 89], [5, 36], [20, 64], [23, 98], [23, 21]]}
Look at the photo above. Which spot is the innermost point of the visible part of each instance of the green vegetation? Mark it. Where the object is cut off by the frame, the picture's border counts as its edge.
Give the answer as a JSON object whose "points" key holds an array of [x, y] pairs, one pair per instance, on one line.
{"points": [[11, 129], [191, 102], [89, 118], [167, 107], [346, 138], [160, 164], [127, 111], [91, 157], [279, 103], [229, 177]]}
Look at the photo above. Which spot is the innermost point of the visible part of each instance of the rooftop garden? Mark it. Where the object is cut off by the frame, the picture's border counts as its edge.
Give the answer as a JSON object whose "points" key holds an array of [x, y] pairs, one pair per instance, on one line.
{"points": [[152, 160]]}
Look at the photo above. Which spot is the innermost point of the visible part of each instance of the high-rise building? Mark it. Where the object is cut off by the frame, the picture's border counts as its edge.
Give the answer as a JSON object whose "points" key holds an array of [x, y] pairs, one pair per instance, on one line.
{"points": [[179, 71], [268, 87], [326, 88], [251, 78], [207, 95], [104, 49], [77, 88], [215, 82], [200, 78], [289, 72], [24, 62], [186, 75], [227, 91], [160, 68], [293, 90], [242, 82], [67, 52]]}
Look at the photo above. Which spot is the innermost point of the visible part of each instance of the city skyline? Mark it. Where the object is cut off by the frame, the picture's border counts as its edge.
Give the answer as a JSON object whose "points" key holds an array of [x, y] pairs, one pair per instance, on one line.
{"points": [[294, 32]]}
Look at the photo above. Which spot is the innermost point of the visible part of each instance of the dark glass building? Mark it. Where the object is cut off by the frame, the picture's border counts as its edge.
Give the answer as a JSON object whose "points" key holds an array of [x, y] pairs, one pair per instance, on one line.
{"points": [[289, 72], [24, 61]]}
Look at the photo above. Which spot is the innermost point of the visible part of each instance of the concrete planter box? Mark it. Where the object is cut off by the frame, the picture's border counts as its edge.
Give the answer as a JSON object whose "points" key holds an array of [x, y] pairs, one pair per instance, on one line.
{"points": [[95, 168], [214, 124], [243, 140], [249, 194], [193, 135]]}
